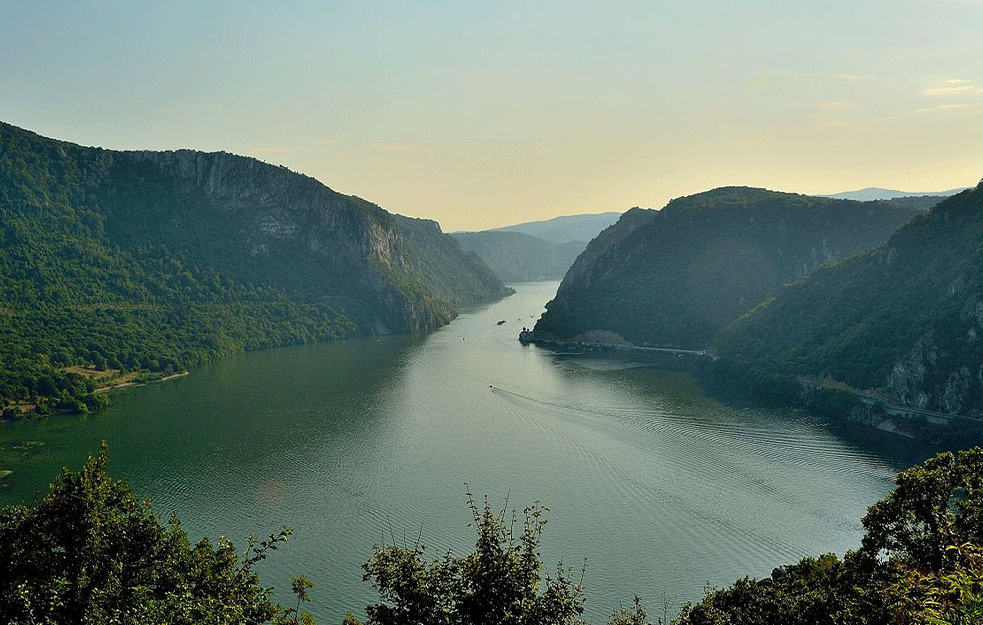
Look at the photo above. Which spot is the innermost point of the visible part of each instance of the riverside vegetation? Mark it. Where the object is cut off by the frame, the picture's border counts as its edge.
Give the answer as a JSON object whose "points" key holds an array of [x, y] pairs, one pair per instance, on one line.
{"points": [[117, 264], [91, 552]]}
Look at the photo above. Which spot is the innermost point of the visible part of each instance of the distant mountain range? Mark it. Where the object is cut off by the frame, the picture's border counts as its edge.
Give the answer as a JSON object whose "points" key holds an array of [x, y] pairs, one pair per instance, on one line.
{"points": [[158, 261], [565, 228], [877, 193], [537, 250], [517, 257]]}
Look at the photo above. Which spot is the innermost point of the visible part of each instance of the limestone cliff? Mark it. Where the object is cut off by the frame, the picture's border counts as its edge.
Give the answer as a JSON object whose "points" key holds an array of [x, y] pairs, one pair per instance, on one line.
{"points": [[307, 236]]}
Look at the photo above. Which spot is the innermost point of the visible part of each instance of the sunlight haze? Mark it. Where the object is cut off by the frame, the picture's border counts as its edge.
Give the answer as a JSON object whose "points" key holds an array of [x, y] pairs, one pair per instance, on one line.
{"points": [[483, 115]]}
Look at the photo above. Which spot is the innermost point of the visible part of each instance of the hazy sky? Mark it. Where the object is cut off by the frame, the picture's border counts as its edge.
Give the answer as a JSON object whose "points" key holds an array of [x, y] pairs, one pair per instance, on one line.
{"points": [[485, 114]]}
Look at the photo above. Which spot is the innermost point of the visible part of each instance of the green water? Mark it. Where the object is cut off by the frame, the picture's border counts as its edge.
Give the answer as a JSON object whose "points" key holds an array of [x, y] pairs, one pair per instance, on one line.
{"points": [[656, 485]]}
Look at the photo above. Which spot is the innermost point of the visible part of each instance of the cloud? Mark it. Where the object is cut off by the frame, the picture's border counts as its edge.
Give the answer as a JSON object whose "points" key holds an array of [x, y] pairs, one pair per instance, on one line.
{"points": [[942, 107], [395, 148], [953, 87], [830, 105], [852, 77], [327, 141], [834, 124]]}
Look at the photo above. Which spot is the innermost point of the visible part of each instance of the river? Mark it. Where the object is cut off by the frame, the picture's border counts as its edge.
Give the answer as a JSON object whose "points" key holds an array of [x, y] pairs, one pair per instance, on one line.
{"points": [[659, 487]]}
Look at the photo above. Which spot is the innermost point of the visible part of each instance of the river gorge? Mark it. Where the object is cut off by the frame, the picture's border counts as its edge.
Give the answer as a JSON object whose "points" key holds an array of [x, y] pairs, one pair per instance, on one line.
{"points": [[659, 487]]}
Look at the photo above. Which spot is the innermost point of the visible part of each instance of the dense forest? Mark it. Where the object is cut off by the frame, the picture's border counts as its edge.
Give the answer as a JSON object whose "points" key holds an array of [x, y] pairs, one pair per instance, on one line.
{"points": [[116, 265], [677, 276], [906, 317]]}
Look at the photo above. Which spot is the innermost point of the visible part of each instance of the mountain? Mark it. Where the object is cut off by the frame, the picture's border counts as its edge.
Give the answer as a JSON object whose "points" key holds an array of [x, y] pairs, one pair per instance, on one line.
{"points": [[905, 318], [877, 193], [518, 257], [565, 228], [159, 261], [675, 277]]}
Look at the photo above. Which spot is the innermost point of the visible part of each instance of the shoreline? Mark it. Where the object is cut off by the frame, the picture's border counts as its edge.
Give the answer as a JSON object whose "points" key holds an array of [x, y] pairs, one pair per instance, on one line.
{"points": [[893, 418], [112, 387]]}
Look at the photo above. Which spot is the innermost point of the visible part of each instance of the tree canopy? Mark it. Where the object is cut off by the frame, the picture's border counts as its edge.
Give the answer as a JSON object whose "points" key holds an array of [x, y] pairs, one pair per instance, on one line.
{"points": [[921, 561], [91, 552]]}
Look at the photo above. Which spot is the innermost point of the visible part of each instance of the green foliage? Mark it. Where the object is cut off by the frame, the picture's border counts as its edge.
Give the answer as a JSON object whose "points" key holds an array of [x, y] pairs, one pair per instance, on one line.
{"points": [[906, 316], [933, 598], [90, 552], [677, 276], [921, 561], [814, 590], [635, 615], [501, 583], [161, 261]]}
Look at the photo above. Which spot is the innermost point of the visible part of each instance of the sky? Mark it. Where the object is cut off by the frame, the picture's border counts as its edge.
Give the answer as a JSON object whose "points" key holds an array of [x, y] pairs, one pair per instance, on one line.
{"points": [[480, 115]]}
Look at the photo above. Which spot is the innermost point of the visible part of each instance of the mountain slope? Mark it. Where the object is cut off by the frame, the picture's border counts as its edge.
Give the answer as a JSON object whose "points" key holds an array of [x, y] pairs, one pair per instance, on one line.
{"points": [[518, 257], [677, 276], [565, 228], [162, 260], [906, 318]]}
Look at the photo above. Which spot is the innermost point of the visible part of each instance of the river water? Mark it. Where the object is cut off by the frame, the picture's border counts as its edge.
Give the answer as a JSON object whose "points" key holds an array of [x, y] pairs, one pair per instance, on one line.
{"points": [[660, 488]]}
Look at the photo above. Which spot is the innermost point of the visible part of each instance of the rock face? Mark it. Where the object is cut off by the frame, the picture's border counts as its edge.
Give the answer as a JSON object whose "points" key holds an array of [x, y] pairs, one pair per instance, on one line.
{"points": [[906, 318], [675, 277], [266, 225], [303, 235]]}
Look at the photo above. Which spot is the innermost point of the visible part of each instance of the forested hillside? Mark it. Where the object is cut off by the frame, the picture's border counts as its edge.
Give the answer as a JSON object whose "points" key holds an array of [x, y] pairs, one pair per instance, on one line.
{"points": [[154, 262], [518, 257], [906, 318], [675, 277]]}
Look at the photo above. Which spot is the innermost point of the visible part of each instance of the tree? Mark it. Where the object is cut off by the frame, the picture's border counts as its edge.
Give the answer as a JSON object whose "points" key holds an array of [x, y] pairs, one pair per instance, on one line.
{"points": [[91, 552], [934, 507], [501, 583], [921, 561]]}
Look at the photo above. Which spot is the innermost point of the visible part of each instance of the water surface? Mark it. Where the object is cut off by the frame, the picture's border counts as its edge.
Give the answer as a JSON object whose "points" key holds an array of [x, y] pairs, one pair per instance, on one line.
{"points": [[659, 487]]}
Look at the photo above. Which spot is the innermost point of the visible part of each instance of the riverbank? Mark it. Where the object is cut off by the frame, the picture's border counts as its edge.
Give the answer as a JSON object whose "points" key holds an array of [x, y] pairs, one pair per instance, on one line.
{"points": [[822, 397], [104, 381], [139, 380]]}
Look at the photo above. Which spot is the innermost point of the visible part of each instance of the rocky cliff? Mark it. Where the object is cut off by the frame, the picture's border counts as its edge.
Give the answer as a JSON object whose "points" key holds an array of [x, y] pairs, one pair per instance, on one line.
{"points": [[260, 214], [905, 318], [675, 277]]}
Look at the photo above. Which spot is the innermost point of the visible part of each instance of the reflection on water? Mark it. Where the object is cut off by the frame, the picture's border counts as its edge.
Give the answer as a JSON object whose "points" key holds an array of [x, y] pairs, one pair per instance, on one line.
{"points": [[656, 485]]}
